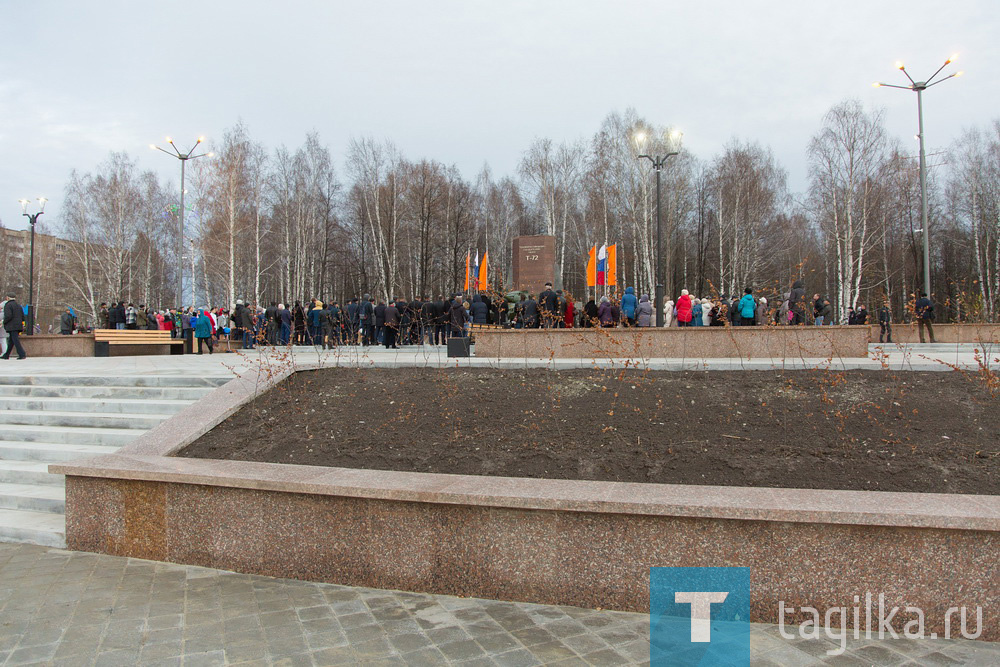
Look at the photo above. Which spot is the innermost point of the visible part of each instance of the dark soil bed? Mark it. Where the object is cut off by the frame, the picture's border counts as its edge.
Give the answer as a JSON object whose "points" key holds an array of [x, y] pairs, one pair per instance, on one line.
{"points": [[869, 430]]}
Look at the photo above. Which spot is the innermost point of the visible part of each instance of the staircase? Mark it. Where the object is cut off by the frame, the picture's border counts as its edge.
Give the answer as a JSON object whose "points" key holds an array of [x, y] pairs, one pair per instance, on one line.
{"points": [[48, 419]]}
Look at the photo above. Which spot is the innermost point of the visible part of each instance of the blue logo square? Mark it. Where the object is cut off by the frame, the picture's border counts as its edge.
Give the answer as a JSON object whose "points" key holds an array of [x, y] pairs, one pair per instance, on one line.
{"points": [[699, 615]]}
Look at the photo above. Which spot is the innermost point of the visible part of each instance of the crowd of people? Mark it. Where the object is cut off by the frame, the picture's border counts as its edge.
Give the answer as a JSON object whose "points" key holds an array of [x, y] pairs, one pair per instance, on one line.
{"points": [[422, 320]]}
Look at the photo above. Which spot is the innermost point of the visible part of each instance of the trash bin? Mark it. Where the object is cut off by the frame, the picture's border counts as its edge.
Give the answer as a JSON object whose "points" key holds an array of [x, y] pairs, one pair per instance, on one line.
{"points": [[459, 347]]}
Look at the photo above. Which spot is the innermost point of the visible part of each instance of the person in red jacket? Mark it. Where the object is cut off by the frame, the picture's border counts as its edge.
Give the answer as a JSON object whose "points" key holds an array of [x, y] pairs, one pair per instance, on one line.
{"points": [[570, 312], [684, 309]]}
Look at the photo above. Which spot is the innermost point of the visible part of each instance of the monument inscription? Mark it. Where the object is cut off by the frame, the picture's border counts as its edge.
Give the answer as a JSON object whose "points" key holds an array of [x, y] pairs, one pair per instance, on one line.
{"points": [[534, 262]]}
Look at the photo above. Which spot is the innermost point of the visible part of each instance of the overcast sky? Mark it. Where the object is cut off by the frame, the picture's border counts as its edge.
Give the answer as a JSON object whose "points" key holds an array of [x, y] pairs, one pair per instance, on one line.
{"points": [[464, 82]]}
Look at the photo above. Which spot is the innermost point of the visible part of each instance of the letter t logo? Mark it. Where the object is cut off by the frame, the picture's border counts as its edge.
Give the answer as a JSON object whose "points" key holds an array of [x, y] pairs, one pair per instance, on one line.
{"points": [[701, 612]]}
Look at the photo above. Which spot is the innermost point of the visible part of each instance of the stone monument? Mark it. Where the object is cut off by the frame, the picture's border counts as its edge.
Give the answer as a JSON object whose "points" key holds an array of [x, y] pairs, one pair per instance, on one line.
{"points": [[534, 262]]}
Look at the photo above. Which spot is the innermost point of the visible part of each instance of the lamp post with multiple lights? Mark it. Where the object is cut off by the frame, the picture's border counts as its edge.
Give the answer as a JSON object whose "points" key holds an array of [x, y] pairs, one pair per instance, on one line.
{"points": [[32, 218], [183, 157], [659, 162], [919, 87]]}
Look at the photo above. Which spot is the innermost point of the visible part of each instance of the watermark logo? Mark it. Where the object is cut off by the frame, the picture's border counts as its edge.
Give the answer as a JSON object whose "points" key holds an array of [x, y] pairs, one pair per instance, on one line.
{"points": [[698, 615]]}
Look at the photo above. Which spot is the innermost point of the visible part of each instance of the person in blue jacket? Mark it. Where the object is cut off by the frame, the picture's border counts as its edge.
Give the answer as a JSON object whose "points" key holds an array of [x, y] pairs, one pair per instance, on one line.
{"points": [[629, 304], [747, 309]]}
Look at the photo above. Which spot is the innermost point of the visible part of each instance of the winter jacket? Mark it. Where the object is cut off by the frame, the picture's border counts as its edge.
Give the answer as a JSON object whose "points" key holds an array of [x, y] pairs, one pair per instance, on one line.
{"points": [[13, 316], [684, 309], [480, 311], [644, 311], [797, 298], [629, 303], [204, 328], [748, 307], [697, 312], [884, 315], [66, 322], [606, 314], [457, 316]]}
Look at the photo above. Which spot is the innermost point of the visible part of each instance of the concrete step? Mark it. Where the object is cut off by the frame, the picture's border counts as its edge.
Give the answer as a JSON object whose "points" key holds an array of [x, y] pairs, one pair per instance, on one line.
{"points": [[124, 420], [29, 472], [117, 381], [94, 405], [68, 434], [50, 452], [42, 528], [72, 391], [33, 497]]}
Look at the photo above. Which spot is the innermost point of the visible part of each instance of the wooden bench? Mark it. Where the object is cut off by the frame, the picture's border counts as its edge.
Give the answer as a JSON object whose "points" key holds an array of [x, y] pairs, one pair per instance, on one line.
{"points": [[105, 338], [473, 328]]}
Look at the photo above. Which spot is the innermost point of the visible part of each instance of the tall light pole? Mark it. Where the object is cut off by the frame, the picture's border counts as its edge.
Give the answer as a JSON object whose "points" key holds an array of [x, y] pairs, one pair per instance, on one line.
{"points": [[183, 157], [659, 162], [919, 87], [32, 218]]}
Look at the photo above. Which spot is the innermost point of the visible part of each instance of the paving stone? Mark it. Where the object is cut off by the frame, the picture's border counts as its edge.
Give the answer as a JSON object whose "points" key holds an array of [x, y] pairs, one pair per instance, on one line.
{"points": [[132, 612]]}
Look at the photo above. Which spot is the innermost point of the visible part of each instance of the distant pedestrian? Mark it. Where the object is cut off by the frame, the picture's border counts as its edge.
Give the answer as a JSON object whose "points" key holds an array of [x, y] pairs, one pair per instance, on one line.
{"points": [[67, 322], [13, 325], [685, 310], [629, 305], [924, 310], [885, 324], [644, 312], [748, 308]]}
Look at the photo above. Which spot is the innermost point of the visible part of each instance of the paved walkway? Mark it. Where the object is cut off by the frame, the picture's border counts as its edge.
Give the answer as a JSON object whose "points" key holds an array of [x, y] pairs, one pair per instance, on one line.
{"points": [[918, 357], [72, 608]]}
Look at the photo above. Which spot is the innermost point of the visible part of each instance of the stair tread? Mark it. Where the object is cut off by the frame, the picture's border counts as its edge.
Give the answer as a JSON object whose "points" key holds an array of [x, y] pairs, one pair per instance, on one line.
{"points": [[33, 520], [58, 446], [93, 399], [24, 466], [99, 430], [117, 415], [33, 490]]}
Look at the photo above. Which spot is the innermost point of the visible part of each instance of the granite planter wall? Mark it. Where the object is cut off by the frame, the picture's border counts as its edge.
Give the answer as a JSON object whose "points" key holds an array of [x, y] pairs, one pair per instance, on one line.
{"points": [[676, 342], [944, 333], [57, 345], [553, 541]]}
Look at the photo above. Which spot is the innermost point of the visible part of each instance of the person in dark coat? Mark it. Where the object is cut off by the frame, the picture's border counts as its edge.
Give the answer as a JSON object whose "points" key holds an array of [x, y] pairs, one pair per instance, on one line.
{"points": [[67, 322], [885, 324], [285, 317], [13, 324], [548, 304], [480, 311], [299, 317], [392, 324], [413, 331], [827, 312], [272, 323], [457, 318], [797, 303], [104, 317], [366, 320], [862, 315], [924, 310], [441, 320], [428, 322], [380, 322], [530, 312], [590, 314]]}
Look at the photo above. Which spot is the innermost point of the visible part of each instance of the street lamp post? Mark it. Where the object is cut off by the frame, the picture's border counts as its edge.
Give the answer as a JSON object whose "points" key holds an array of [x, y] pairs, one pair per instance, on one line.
{"points": [[659, 162], [919, 87], [32, 218], [183, 157]]}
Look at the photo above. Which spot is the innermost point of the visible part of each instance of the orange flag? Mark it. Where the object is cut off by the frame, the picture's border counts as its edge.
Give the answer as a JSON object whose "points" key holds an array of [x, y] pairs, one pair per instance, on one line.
{"points": [[592, 267], [483, 272], [612, 265]]}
